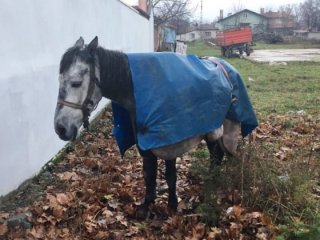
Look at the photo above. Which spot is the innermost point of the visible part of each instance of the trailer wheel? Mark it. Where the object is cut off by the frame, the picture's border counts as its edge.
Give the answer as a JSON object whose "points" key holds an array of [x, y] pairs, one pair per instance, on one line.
{"points": [[223, 51], [229, 52], [248, 50]]}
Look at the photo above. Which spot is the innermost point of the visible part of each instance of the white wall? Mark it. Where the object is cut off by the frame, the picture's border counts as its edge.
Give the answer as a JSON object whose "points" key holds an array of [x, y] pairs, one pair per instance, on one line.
{"points": [[34, 35], [314, 35], [187, 37]]}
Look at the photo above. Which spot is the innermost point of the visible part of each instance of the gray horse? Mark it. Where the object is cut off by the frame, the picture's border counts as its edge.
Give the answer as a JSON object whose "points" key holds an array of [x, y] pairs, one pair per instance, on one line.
{"points": [[90, 72]]}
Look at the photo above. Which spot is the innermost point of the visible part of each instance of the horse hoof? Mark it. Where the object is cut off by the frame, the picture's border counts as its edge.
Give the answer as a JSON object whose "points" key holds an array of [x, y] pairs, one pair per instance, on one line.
{"points": [[171, 211], [142, 212], [217, 161], [173, 205]]}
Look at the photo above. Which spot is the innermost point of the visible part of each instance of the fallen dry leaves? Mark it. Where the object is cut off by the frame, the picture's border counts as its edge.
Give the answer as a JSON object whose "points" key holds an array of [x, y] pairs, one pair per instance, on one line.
{"points": [[295, 132], [97, 192]]}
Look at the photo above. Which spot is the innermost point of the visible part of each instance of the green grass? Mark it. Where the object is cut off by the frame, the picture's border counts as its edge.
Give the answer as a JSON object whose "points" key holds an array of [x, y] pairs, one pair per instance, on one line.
{"points": [[274, 89], [279, 89], [201, 49]]}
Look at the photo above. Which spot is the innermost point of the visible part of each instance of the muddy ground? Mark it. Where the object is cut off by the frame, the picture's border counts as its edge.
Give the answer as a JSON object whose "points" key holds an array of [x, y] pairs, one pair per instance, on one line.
{"points": [[285, 55]]}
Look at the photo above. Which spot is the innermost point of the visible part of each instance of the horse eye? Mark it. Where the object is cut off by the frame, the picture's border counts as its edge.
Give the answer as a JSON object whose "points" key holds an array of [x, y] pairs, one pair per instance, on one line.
{"points": [[76, 84], [83, 72]]}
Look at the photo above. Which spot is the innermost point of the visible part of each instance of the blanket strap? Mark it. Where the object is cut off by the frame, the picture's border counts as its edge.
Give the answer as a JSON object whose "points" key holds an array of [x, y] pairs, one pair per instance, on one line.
{"points": [[220, 66]]}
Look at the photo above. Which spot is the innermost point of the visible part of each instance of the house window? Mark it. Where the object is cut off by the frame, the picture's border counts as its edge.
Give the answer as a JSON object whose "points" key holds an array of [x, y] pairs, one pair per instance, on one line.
{"points": [[207, 34], [192, 35], [245, 15]]}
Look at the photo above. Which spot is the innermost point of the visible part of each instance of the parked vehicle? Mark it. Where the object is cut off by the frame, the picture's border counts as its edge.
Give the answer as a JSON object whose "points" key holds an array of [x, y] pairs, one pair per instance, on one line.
{"points": [[239, 38], [268, 37]]}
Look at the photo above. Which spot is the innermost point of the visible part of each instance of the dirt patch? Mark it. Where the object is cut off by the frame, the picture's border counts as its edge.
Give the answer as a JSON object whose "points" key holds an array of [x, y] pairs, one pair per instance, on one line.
{"points": [[29, 191], [285, 55]]}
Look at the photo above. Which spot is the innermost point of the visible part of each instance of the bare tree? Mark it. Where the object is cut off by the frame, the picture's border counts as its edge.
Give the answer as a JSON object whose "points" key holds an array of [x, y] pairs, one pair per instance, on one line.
{"points": [[287, 9], [291, 13], [237, 7], [310, 14], [297, 13], [166, 10]]}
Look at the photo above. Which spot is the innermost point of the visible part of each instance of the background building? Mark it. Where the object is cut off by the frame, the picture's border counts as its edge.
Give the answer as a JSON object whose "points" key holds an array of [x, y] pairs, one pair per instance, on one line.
{"points": [[258, 22], [275, 22], [204, 31]]}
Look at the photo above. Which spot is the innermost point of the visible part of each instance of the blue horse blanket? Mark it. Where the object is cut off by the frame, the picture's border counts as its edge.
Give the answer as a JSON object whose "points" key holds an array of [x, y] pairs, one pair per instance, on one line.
{"points": [[178, 97]]}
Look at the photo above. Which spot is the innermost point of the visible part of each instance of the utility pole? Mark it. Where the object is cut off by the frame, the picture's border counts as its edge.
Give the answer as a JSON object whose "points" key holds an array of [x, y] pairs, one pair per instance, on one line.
{"points": [[201, 15]]}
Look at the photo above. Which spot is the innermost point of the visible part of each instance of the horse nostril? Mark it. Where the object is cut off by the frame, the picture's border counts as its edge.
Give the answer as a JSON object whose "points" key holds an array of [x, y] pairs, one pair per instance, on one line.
{"points": [[61, 130]]}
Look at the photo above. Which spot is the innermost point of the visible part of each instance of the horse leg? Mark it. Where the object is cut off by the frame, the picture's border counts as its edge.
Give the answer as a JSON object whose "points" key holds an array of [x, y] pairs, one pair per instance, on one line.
{"points": [[150, 166], [216, 152], [171, 178]]}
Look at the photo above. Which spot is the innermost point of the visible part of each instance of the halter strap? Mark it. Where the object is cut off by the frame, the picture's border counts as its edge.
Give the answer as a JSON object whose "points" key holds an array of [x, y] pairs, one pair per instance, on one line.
{"points": [[69, 104]]}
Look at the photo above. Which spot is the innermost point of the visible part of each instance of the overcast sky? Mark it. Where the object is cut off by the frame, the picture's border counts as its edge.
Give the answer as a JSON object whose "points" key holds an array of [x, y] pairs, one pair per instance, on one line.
{"points": [[211, 8]]}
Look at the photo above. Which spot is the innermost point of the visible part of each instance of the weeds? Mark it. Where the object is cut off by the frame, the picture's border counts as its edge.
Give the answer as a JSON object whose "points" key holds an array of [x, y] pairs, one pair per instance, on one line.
{"points": [[200, 153], [300, 231], [262, 185], [276, 174]]}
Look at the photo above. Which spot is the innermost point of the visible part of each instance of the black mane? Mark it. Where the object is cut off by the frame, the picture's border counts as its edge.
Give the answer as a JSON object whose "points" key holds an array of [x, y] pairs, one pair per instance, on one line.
{"points": [[114, 66], [115, 78], [70, 55]]}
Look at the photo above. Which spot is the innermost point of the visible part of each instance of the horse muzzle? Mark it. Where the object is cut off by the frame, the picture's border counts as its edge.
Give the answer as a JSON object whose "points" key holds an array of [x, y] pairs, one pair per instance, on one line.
{"points": [[66, 134]]}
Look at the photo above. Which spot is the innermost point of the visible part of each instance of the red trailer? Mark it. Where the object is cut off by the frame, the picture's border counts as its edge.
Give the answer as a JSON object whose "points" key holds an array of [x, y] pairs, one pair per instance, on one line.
{"points": [[239, 38]]}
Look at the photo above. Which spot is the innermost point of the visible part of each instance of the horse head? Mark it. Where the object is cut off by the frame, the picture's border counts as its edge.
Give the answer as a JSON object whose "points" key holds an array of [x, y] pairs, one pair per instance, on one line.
{"points": [[79, 88]]}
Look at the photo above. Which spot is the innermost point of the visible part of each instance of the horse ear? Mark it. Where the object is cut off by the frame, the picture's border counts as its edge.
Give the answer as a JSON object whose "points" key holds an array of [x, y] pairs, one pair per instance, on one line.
{"points": [[79, 42], [93, 45]]}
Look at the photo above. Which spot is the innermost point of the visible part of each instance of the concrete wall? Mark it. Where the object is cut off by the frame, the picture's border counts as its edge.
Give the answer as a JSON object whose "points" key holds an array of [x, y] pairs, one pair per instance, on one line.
{"points": [[189, 36], [314, 35], [34, 35], [197, 34]]}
